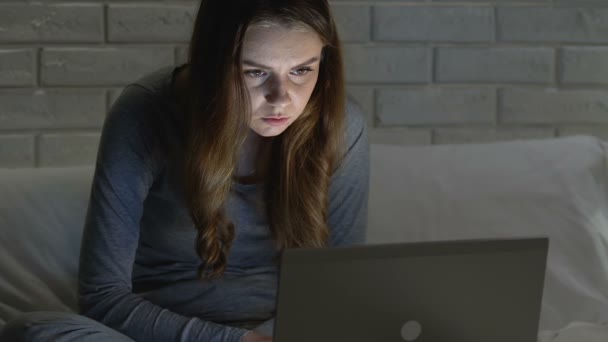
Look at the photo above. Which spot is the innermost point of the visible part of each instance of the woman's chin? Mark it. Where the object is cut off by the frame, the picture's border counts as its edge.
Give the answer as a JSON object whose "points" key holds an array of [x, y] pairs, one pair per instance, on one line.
{"points": [[269, 131]]}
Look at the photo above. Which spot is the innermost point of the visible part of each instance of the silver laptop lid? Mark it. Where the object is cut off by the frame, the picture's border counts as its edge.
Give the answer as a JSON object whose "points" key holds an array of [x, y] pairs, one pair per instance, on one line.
{"points": [[452, 291]]}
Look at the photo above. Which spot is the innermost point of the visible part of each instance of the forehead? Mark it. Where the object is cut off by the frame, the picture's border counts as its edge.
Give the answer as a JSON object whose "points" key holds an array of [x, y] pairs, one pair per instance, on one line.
{"points": [[277, 44]]}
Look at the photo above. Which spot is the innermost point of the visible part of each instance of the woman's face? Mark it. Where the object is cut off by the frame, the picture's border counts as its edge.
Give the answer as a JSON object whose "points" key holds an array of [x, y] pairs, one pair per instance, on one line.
{"points": [[280, 67]]}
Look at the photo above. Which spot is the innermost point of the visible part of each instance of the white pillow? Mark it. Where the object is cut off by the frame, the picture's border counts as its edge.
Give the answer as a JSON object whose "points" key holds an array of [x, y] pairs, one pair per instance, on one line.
{"points": [[41, 219], [553, 187]]}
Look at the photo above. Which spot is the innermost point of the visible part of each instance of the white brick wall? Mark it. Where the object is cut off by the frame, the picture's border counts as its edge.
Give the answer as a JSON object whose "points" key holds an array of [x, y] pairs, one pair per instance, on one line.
{"points": [[435, 106], [425, 71], [105, 66]]}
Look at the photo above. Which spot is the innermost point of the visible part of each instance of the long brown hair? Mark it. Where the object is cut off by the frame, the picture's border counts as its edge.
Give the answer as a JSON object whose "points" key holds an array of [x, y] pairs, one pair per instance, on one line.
{"points": [[303, 156]]}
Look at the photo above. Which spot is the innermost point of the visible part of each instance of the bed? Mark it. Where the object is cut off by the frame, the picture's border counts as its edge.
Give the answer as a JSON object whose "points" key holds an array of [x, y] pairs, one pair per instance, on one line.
{"points": [[552, 187]]}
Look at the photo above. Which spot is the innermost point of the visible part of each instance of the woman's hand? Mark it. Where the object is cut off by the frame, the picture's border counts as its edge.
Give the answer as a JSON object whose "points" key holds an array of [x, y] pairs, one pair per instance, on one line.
{"points": [[255, 337]]}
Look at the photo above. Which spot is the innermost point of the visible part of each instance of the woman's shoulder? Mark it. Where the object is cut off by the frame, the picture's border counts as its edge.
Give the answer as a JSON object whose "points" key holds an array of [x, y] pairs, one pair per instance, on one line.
{"points": [[144, 111], [152, 87], [148, 99], [156, 81]]}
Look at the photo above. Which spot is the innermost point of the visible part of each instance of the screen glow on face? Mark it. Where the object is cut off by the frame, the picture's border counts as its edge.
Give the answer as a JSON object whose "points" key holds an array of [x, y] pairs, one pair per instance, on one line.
{"points": [[280, 66]]}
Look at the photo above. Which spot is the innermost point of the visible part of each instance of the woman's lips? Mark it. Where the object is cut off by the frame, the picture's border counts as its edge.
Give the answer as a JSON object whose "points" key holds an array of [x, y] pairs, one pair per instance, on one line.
{"points": [[276, 121]]}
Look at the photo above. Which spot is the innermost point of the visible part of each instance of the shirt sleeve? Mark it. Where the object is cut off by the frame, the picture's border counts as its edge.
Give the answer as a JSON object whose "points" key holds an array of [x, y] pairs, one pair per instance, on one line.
{"points": [[127, 164], [349, 189]]}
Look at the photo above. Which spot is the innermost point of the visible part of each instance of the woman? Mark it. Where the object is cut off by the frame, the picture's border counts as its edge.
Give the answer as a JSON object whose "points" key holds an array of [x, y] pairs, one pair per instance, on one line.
{"points": [[207, 171]]}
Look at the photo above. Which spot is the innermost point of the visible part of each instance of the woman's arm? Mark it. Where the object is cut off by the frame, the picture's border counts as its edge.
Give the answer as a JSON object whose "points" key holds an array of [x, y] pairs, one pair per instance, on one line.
{"points": [[349, 190], [127, 164]]}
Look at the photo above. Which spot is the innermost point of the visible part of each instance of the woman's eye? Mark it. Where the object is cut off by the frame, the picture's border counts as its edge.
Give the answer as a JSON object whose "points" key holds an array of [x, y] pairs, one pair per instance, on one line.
{"points": [[301, 71], [255, 73]]}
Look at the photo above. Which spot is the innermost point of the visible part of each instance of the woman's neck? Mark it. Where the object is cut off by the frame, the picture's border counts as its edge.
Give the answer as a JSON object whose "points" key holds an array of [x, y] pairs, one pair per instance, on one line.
{"points": [[254, 159]]}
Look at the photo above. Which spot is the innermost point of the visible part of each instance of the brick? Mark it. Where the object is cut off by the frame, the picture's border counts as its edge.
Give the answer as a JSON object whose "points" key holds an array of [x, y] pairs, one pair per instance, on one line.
{"points": [[433, 106], [598, 131], [26, 109], [16, 150], [107, 1], [551, 106], [443, 24], [68, 149], [581, 3], [400, 136], [483, 135], [387, 64], [587, 65], [353, 22], [151, 23], [27, 23], [101, 66], [493, 64], [17, 67], [364, 96], [549, 24]]}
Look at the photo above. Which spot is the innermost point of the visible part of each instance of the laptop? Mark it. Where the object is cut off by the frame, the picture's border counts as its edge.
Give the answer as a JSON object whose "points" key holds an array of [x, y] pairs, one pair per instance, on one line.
{"points": [[448, 291]]}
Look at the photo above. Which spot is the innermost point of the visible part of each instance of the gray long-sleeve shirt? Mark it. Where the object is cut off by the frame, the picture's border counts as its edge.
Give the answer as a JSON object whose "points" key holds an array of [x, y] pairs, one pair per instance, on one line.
{"points": [[138, 261]]}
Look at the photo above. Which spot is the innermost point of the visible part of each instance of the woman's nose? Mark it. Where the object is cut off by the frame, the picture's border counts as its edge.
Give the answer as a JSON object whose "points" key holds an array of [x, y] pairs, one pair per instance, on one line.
{"points": [[277, 94]]}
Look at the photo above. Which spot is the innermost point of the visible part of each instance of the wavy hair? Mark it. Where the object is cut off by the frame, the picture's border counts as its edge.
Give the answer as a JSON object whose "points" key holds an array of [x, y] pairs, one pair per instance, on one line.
{"points": [[218, 111]]}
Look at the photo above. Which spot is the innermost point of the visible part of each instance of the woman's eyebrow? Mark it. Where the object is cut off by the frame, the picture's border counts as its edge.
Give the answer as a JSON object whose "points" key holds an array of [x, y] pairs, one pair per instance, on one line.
{"points": [[262, 66]]}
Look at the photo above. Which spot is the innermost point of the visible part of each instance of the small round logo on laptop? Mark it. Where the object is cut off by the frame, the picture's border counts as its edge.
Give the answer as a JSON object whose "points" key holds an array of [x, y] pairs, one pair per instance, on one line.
{"points": [[411, 330]]}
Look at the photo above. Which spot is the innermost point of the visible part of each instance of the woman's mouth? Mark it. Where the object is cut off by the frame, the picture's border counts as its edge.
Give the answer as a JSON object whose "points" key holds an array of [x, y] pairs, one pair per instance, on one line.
{"points": [[276, 121]]}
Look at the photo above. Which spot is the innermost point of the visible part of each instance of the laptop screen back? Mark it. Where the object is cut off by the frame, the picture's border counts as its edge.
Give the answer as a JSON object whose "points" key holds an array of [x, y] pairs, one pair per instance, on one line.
{"points": [[458, 291]]}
